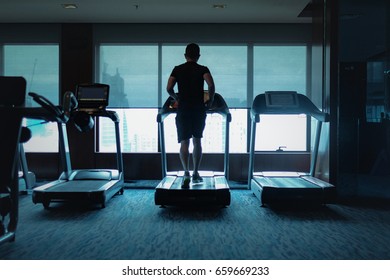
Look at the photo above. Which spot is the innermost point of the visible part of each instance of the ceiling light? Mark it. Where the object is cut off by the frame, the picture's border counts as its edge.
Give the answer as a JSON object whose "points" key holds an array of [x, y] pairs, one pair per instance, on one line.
{"points": [[219, 6], [69, 6]]}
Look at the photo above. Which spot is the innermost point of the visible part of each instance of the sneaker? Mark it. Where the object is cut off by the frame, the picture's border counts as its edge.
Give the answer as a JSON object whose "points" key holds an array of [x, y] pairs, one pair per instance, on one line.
{"points": [[186, 181], [196, 178]]}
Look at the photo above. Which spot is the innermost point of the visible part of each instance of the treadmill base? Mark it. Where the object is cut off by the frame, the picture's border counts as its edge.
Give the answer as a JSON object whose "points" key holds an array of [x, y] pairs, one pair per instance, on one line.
{"points": [[296, 189], [93, 191], [213, 191]]}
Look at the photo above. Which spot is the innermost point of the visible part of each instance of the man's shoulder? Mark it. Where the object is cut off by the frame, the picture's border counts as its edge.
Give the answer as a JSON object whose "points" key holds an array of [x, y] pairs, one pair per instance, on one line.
{"points": [[191, 65], [201, 68], [181, 65]]}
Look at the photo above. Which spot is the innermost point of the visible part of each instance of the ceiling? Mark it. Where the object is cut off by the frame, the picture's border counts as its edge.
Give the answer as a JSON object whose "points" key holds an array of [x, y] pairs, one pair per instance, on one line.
{"points": [[153, 11]]}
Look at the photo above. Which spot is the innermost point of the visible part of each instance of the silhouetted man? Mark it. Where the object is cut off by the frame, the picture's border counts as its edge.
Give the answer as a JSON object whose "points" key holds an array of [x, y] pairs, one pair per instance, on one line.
{"points": [[191, 110]]}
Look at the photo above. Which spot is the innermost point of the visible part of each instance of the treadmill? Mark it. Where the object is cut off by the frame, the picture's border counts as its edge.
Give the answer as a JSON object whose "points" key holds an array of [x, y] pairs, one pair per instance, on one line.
{"points": [[214, 190], [27, 179], [278, 187], [93, 185]]}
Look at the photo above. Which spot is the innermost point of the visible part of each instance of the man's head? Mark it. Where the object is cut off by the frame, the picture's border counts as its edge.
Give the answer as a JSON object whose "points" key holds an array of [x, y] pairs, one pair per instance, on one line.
{"points": [[192, 51]]}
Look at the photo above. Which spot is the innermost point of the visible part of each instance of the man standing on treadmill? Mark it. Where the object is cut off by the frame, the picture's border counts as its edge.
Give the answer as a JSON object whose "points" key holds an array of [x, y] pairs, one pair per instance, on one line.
{"points": [[191, 108]]}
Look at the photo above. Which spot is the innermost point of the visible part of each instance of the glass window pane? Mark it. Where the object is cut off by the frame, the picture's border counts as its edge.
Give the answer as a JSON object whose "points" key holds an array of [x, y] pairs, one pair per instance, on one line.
{"points": [[171, 57], [227, 64], [213, 136], [170, 134], [138, 131], [280, 68], [39, 65], [132, 73], [231, 82], [44, 137], [238, 131], [287, 132]]}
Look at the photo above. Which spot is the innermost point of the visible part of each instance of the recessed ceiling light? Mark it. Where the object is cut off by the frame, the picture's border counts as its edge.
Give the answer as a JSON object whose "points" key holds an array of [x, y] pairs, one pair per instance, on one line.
{"points": [[69, 6], [219, 6]]}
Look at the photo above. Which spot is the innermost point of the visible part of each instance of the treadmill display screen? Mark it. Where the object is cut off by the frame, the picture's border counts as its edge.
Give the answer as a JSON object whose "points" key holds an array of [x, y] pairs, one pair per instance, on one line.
{"points": [[93, 96], [281, 99]]}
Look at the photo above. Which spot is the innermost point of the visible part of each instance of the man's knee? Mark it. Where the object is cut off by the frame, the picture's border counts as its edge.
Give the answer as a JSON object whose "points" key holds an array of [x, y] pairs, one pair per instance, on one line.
{"points": [[197, 141], [185, 143]]}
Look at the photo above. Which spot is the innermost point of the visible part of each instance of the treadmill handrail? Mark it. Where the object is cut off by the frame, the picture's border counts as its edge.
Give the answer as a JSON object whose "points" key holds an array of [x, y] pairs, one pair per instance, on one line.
{"points": [[304, 106], [40, 113], [103, 113], [222, 109], [50, 112]]}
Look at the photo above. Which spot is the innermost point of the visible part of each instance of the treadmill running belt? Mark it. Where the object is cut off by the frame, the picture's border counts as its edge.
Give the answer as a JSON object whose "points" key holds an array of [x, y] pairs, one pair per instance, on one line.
{"points": [[207, 184], [280, 182], [78, 186]]}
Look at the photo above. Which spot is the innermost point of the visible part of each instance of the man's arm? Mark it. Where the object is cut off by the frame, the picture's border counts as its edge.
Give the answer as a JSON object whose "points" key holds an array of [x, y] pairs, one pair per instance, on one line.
{"points": [[211, 88], [171, 84]]}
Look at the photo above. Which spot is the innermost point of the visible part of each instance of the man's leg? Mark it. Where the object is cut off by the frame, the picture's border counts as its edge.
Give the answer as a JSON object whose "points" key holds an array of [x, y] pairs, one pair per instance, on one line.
{"points": [[185, 161], [197, 158], [185, 155]]}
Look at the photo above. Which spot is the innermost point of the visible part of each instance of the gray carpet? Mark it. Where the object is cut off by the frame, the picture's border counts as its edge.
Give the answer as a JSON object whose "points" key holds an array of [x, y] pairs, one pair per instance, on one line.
{"points": [[132, 227]]}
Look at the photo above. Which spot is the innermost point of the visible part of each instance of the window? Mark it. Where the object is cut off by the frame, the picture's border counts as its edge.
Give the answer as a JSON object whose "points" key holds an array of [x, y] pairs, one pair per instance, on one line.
{"points": [[39, 65], [279, 68], [285, 132], [138, 130], [213, 136], [228, 65], [238, 131], [138, 75], [132, 73]]}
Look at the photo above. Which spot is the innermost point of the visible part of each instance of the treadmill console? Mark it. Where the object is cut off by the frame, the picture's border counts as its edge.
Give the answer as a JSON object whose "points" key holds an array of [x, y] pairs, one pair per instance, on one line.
{"points": [[281, 99], [92, 97]]}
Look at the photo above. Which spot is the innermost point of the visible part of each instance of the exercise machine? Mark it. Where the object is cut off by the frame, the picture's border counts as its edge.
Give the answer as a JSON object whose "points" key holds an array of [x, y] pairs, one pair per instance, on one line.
{"points": [[94, 185], [214, 190], [27, 179], [278, 187], [12, 99]]}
